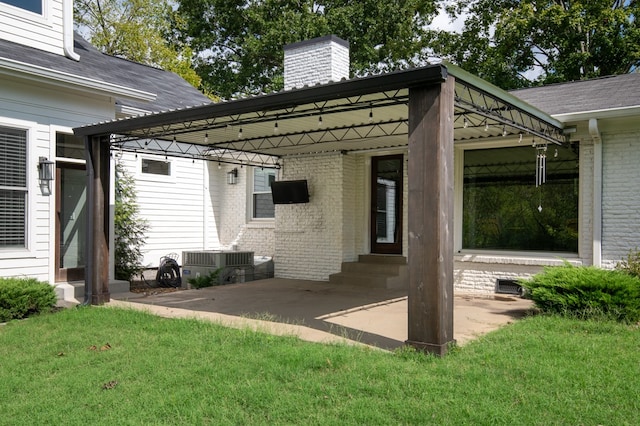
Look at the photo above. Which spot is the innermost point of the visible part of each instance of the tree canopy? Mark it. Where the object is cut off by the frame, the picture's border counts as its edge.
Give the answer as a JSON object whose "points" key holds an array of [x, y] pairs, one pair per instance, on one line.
{"points": [[509, 41], [137, 30], [231, 47], [239, 43]]}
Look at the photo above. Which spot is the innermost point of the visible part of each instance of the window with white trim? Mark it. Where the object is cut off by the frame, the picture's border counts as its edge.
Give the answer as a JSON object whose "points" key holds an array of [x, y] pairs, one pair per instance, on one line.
{"points": [[262, 202], [34, 6], [155, 167], [503, 209], [13, 188]]}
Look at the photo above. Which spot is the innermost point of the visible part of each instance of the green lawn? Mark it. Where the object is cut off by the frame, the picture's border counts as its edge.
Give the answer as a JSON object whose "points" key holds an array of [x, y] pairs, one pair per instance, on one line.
{"points": [[540, 370]]}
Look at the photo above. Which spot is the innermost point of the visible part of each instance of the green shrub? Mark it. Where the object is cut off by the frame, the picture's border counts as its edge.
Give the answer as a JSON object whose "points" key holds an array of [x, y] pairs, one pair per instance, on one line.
{"points": [[208, 280], [630, 265], [129, 227], [585, 292], [21, 297]]}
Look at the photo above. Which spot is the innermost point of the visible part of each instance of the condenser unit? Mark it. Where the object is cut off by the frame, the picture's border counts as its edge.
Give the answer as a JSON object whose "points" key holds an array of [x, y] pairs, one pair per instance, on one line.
{"points": [[235, 266]]}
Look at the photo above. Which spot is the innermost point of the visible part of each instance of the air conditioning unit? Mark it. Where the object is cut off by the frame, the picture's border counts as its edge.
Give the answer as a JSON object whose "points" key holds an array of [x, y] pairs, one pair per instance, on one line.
{"points": [[236, 266]]}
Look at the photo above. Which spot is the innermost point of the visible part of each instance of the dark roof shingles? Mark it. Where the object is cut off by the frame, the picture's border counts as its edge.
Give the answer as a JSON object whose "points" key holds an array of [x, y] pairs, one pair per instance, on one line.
{"points": [[171, 90], [585, 95]]}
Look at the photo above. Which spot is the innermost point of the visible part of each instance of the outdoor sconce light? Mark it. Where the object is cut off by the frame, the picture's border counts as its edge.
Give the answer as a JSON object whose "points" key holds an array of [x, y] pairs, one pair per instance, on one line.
{"points": [[232, 177], [45, 174]]}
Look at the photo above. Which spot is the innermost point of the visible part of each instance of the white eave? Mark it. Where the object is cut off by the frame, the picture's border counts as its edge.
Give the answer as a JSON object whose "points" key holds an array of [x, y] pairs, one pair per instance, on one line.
{"points": [[71, 81], [620, 112]]}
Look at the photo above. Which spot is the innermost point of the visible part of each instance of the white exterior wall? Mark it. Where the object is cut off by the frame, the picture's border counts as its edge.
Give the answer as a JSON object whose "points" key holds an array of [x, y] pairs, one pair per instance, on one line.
{"points": [[176, 207], [232, 211], [44, 32], [42, 112], [310, 237], [620, 195]]}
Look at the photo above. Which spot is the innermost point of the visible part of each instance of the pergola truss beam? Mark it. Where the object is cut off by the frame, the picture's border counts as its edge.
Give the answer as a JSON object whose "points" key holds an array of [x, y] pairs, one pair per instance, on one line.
{"points": [[196, 152], [320, 136], [473, 101]]}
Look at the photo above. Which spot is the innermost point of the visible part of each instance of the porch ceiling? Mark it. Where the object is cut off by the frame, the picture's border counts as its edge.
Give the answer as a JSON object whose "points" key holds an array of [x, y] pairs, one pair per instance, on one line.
{"points": [[369, 113]]}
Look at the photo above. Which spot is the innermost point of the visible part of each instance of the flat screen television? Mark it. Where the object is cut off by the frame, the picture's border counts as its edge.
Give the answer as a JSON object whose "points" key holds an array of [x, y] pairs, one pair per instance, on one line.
{"points": [[289, 192]]}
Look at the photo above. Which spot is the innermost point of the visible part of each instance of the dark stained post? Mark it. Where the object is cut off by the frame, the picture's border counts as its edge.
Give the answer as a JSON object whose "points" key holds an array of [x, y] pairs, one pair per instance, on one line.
{"points": [[97, 265], [431, 113]]}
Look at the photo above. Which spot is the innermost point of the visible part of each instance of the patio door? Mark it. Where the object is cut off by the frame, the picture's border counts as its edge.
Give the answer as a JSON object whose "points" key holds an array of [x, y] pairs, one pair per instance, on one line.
{"points": [[71, 212], [386, 204]]}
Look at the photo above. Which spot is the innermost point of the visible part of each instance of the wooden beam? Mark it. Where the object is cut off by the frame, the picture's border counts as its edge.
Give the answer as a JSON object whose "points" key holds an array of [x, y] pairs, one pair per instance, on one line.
{"points": [[97, 267], [430, 301]]}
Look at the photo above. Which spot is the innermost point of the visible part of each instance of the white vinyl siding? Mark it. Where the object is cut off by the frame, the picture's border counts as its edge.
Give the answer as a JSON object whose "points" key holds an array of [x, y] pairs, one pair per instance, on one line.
{"points": [[13, 188], [43, 31]]}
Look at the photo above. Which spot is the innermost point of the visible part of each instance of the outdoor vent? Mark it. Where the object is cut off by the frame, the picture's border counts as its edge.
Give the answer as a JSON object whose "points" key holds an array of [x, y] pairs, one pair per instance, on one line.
{"points": [[508, 286], [217, 259]]}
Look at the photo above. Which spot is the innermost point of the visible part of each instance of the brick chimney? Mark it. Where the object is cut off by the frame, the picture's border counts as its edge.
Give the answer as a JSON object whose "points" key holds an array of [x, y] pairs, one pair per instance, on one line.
{"points": [[316, 61]]}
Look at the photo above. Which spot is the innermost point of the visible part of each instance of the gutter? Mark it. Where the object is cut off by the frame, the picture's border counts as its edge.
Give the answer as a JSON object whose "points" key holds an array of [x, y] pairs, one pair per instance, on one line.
{"points": [[619, 112], [597, 191], [67, 30], [71, 81]]}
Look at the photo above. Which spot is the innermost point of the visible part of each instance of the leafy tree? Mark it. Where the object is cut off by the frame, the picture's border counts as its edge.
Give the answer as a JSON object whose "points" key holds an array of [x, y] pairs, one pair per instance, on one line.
{"points": [[503, 40], [137, 30], [129, 227], [239, 43]]}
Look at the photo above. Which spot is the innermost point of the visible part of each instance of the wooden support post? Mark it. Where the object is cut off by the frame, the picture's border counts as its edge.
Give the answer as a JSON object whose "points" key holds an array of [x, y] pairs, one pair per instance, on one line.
{"points": [[430, 301], [97, 268]]}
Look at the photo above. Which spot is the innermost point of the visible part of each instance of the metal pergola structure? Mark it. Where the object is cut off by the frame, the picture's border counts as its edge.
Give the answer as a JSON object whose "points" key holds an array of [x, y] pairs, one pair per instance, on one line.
{"points": [[424, 110]]}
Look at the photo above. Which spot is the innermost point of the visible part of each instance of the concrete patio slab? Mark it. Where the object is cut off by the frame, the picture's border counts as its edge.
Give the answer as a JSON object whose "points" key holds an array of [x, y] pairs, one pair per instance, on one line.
{"points": [[323, 312]]}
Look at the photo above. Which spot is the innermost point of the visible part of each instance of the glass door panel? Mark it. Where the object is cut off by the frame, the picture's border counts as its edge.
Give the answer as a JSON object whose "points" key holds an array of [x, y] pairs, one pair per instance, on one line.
{"points": [[386, 204], [70, 222]]}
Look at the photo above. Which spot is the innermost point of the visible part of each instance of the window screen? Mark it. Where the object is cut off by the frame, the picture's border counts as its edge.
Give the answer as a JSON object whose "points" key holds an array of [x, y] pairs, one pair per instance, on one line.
{"points": [[263, 206], [13, 187]]}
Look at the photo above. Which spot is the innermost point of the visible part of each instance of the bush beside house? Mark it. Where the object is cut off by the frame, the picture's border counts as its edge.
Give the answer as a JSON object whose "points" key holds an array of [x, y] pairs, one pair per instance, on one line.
{"points": [[586, 292], [22, 297]]}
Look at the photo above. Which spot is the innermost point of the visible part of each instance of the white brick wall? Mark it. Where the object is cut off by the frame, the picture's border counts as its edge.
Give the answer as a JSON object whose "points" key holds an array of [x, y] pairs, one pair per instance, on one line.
{"points": [[232, 210], [585, 211], [316, 61], [309, 237], [620, 195]]}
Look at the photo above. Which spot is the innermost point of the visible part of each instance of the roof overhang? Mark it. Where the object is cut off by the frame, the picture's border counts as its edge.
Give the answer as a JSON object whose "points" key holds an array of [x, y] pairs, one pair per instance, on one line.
{"points": [[69, 81], [369, 113]]}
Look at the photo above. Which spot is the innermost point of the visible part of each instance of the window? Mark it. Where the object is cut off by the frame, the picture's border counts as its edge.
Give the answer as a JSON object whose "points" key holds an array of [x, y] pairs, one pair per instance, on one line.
{"points": [[504, 210], [69, 146], [156, 167], [13, 187], [263, 207], [34, 6]]}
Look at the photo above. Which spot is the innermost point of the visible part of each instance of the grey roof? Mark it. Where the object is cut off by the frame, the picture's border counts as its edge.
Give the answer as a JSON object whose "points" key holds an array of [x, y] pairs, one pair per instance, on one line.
{"points": [[171, 90], [585, 95]]}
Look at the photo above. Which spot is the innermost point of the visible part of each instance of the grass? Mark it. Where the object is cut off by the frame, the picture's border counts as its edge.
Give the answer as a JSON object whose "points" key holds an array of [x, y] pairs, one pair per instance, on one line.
{"points": [[540, 370]]}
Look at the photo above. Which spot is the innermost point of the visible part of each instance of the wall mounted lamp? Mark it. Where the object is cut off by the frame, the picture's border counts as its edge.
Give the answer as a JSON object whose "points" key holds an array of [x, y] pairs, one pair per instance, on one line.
{"points": [[45, 174], [232, 177]]}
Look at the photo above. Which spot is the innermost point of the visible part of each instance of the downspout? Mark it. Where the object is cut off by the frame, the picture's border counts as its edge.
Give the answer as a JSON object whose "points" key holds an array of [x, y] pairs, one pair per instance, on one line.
{"points": [[67, 30], [89, 246], [597, 191]]}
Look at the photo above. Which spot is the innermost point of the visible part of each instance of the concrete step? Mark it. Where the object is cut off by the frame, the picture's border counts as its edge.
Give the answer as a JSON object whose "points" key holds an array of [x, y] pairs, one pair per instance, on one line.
{"points": [[115, 286], [372, 268], [382, 258], [373, 271]]}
